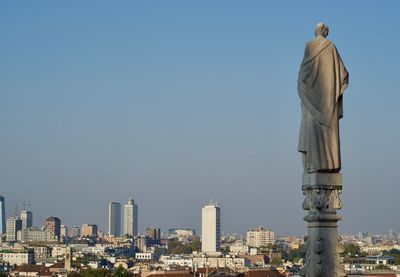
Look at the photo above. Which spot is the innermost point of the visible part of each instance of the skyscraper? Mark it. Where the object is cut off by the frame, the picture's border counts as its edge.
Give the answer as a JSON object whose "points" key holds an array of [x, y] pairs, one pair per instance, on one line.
{"points": [[2, 215], [114, 219], [131, 218], [210, 228], [27, 218], [53, 225], [14, 224]]}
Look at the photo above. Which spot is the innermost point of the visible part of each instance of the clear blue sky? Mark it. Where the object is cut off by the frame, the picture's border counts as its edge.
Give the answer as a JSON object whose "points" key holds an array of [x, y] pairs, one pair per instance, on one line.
{"points": [[178, 102]]}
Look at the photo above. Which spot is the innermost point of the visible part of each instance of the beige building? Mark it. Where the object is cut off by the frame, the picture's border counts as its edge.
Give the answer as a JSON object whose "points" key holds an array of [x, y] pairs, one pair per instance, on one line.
{"points": [[53, 225], [260, 237], [88, 230], [14, 224], [18, 258], [210, 228], [33, 234]]}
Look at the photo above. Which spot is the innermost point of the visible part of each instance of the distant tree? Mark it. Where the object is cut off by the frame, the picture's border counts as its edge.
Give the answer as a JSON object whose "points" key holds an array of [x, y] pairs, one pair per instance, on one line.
{"points": [[195, 245], [121, 272], [293, 255], [395, 254], [90, 272], [73, 274], [397, 260], [351, 250], [176, 247], [276, 261]]}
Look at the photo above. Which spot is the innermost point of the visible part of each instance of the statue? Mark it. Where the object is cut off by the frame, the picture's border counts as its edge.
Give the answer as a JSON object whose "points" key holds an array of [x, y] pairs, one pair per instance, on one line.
{"points": [[321, 83]]}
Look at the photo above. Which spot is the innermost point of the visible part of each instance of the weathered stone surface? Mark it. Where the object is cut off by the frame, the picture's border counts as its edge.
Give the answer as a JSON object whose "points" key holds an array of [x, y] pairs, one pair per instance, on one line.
{"points": [[321, 83]]}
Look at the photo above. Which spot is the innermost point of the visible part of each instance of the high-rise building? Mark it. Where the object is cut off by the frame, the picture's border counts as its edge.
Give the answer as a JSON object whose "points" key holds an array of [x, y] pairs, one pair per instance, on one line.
{"points": [[153, 233], [27, 219], [63, 231], [260, 237], [14, 224], [210, 228], [88, 230], [53, 225], [142, 242], [2, 215], [75, 232], [114, 219], [131, 218]]}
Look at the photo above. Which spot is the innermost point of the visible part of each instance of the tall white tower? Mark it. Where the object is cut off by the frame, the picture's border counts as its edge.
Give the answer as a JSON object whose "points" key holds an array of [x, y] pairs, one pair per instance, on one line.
{"points": [[114, 219], [131, 218], [2, 215], [210, 228]]}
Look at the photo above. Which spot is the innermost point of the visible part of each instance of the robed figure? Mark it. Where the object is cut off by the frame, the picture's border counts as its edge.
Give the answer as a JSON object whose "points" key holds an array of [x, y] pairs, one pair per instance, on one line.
{"points": [[321, 83]]}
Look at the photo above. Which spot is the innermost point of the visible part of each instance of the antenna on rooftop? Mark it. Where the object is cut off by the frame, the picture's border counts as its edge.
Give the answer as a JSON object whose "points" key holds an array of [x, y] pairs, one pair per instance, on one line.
{"points": [[16, 210], [24, 205]]}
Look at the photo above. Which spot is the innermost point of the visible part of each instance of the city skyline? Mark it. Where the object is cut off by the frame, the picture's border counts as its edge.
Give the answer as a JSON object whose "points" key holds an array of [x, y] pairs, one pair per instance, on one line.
{"points": [[176, 103], [143, 230]]}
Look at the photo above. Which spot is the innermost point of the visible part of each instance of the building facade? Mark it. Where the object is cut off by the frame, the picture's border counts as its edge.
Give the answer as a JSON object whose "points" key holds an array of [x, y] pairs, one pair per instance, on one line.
{"points": [[89, 230], [27, 219], [131, 218], [260, 237], [2, 215], [17, 257], [14, 224], [210, 228], [53, 225], [153, 233], [114, 219], [75, 232], [33, 234]]}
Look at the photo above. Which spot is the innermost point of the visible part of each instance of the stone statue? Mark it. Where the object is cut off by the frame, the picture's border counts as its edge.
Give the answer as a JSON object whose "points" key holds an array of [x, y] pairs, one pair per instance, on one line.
{"points": [[321, 83]]}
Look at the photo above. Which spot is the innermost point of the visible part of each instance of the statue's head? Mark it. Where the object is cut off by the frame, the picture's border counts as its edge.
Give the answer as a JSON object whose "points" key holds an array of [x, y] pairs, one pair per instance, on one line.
{"points": [[321, 30]]}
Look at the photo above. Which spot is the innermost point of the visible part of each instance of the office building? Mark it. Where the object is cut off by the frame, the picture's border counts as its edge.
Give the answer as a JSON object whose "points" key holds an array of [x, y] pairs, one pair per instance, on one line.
{"points": [[34, 234], [2, 215], [260, 237], [75, 232], [14, 224], [89, 230], [114, 219], [142, 242], [53, 225], [131, 218], [63, 231], [27, 219], [18, 257], [210, 228], [153, 233]]}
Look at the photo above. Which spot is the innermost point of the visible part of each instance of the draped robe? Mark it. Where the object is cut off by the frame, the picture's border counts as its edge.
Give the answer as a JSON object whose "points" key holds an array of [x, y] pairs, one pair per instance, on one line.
{"points": [[321, 83]]}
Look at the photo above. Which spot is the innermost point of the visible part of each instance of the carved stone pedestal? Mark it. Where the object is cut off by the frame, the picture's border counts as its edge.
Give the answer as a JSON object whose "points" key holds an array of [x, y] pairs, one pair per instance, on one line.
{"points": [[322, 200]]}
